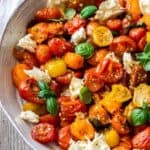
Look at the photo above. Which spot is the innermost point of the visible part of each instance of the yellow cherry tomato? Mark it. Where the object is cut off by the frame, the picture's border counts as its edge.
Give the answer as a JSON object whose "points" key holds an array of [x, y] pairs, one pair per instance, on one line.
{"points": [[56, 67], [38, 109], [102, 36], [112, 137], [148, 37]]}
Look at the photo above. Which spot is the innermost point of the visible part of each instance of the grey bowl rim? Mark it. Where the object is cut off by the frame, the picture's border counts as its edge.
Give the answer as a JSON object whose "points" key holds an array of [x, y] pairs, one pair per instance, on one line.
{"points": [[18, 7]]}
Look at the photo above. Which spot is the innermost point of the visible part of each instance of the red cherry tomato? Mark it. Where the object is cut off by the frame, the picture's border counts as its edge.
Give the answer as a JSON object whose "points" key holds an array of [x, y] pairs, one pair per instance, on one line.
{"points": [[64, 137], [56, 87], [28, 90], [141, 44], [69, 108], [43, 53], [137, 33], [110, 71], [73, 25], [142, 139], [123, 44], [64, 79], [44, 133], [48, 118], [58, 47], [48, 13], [92, 81], [114, 24]]}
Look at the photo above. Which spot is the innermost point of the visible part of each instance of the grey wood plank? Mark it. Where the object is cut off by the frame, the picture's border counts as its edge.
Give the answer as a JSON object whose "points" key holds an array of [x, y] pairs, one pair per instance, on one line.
{"points": [[9, 138]]}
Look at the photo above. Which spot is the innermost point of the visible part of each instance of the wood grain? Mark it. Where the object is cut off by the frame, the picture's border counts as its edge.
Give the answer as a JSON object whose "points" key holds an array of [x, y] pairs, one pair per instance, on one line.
{"points": [[9, 138]]}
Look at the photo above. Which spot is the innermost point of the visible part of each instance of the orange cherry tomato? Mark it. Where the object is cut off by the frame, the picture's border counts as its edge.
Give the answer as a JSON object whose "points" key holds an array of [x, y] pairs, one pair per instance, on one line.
{"points": [[110, 71], [73, 25], [28, 90], [58, 47], [142, 139], [44, 133], [18, 74], [114, 24], [48, 118], [43, 53], [64, 137], [48, 13], [123, 44], [119, 123], [137, 33], [92, 81]]}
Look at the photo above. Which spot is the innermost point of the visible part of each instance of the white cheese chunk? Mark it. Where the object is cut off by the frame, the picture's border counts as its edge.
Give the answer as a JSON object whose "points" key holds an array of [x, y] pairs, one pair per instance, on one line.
{"points": [[128, 62], [78, 36], [29, 116], [27, 43], [144, 6], [112, 57], [108, 9], [38, 74], [98, 143], [75, 86]]}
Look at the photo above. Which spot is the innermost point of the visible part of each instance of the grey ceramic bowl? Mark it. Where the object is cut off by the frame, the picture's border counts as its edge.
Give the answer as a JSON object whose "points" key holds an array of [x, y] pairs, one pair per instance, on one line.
{"points": [[13, 31]]}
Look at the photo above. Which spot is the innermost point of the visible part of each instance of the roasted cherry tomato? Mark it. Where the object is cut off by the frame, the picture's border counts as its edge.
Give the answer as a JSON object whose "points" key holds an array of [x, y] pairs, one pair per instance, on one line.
{"points": [[43, 53], [64, 137], [141, 44], [44, 133], [142, 139], [91, 26], [64, 79], [48, 13], [119, 123], [137, 33], [56, 87], [25, 57], [28, 90], [68, 109], [114, 24], [73, 25], [110, 71], [92, 81], [18, 74], [48, 118], [58, 47], [123, 44]]}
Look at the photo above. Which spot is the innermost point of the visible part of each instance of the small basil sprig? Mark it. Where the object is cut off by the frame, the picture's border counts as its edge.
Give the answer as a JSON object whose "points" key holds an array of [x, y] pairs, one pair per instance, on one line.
{"points": [[69, 13], [50, 97], [140, 116], [144, 57]]}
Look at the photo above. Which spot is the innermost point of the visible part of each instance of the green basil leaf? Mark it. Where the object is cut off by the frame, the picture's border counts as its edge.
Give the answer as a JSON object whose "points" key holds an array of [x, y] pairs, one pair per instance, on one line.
{"points": [[85, 49], [52, 106], [43, 85], [148, 113], [138, 117], [147, 48], [70, 13], [88, 11], [85, 95], [147, 66], [46, 93]]}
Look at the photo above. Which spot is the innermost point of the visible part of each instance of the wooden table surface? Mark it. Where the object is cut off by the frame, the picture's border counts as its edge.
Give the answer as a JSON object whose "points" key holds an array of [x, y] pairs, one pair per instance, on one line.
{"points": [[9, 138]]}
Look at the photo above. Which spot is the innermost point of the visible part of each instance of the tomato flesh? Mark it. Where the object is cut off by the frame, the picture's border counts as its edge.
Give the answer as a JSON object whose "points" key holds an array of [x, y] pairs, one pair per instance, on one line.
{"points": [[44, 133]]}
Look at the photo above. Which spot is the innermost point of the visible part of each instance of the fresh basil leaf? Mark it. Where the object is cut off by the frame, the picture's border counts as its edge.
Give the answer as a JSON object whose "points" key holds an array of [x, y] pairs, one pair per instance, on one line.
{"points": [[52, 106], [147, 48], [138, 117], [43, 85], [147, 66], [70, 13], [148, 113]]}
